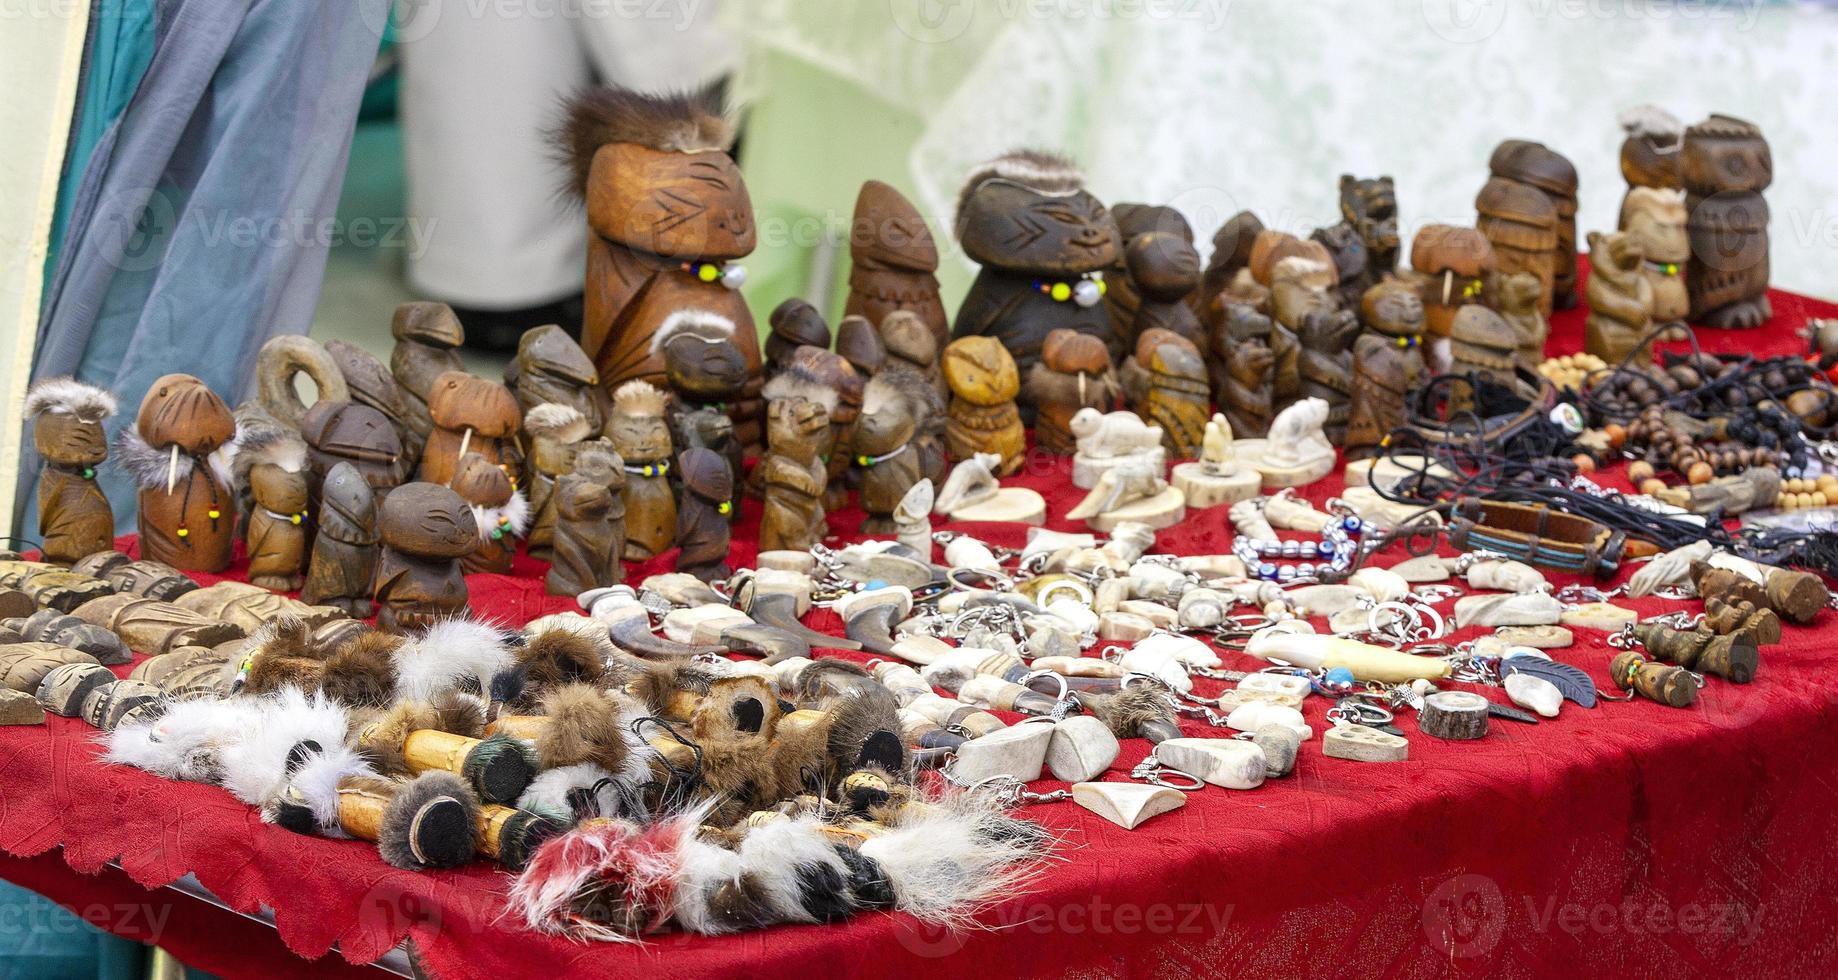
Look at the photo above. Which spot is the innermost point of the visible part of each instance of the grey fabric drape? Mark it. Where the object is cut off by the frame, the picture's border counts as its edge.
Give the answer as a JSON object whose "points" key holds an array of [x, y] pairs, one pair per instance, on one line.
{"points": [[201, 224]]}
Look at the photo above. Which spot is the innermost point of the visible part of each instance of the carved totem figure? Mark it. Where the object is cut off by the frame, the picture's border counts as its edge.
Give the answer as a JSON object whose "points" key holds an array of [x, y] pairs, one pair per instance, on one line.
{"points": [[270, 470], [1454, 264], [1074, 372], [983, 417], [641, 437], [1300, 286], [499, 510], [1227, 278], [1241, 344], [427, 339], [912, 367], [1325, 367], [1649, 155], [1481, 344], [1520, 222], [668, 219], [1552, 174], [909, 343], [887, 463], [426, 529], [370, 384], [345, 548], [1517, 301], [1620, 300], [474, 415], [793, 516], [1387, 364], [1043, 242], [1122, 293], [550, 368], [589, 534], [187, 509], [74, 518], [1177, 398], [893, 262], [704, 378], [1164, 269], [556, 434], [1365, 243], [828, 372], [1725, 165], [1655, 219], [703, 524]]}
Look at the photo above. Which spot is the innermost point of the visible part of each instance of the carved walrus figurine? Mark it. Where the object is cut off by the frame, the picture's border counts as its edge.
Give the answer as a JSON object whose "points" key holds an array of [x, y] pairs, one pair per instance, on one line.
{"points": [[186, 508], [473, 415]]}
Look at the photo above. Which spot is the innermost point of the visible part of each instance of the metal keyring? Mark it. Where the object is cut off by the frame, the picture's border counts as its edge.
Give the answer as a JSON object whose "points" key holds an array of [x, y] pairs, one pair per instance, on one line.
{"points": [[995, 581]]}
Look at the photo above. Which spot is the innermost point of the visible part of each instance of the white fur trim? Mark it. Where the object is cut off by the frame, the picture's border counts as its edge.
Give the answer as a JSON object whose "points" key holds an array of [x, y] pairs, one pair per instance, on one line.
{"points": [[517, 509], [448, 651], [317, 779], [185, 741], [70, 397], [255, 763], [707, 324]]}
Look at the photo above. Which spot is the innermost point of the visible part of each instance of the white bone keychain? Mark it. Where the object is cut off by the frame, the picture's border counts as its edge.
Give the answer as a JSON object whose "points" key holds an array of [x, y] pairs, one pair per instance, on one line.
{"points": [[1487, 571], [1247, 517], [963, 551], [1285, 510], [1383, 584]]}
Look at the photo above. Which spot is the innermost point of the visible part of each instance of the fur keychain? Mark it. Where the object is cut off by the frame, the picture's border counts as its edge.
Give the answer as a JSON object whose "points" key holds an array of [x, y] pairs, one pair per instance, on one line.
{"points": [[457, 653], [186, 742], [295, 737]]}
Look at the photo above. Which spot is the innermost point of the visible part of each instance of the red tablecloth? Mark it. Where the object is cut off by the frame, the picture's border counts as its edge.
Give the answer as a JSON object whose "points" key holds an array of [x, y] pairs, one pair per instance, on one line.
{"points": [[1629, 839]]}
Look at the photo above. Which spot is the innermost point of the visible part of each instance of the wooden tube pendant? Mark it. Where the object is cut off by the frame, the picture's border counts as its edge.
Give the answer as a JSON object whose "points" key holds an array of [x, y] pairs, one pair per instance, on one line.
{"points": [[429, 749], [360, 812], [526, 727], [1667, 685]]}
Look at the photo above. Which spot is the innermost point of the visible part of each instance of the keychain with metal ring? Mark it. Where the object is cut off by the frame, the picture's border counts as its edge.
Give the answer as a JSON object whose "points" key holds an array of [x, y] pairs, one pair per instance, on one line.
{"points": [[997, 582], [1406, 614], [1061, 704], [1150, 770], [1429, 595], [1354, 710], [1677, 593], [1081, 593], [1005, 788]]}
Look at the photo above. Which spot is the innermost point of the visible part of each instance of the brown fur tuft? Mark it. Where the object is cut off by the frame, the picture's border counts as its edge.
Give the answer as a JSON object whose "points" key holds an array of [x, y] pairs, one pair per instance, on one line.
{"points": [[677, 122], [361, 673], [585, 725], [559, 656], [1126, 711]]}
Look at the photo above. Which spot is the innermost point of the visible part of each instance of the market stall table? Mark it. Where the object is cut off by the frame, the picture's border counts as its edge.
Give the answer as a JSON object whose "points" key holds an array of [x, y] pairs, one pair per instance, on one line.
{"points": [[1629, 839]]}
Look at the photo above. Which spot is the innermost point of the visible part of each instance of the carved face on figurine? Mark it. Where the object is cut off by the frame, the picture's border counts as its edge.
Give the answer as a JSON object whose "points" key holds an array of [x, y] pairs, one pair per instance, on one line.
{"points": [[704, 371], [887, 230], [1725, 154], [599, 463], [637, 429], [67, 418], [1656, 218], [479, 482], [1071, 352], [180, 410], [549, 351], [1394, 309], [1163, 265], [1371, 207], [793, 423], [830, 370], [1519, 292], [1482, 340], [347, 505], [1018, 215], [428, 520], [675, 205], [981, 371], [882, 432]]}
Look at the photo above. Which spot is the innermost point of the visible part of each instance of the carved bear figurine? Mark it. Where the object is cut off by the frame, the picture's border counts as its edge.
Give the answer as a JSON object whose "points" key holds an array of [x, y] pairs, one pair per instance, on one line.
{"points": [[74, 518], [1620, 300]]}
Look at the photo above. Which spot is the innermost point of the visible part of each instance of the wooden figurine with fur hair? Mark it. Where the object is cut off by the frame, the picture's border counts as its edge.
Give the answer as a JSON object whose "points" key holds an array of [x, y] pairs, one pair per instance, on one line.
{"points": [[885, 458], [893, 262], [703, 522], [983, 418], [1517, 299], [641, 437], [344, 557], [474, 415], [793, 516], [556, 434], [428, 336], [589, 535], [704, 378], [1656, 220], [1043, 242], [426, 529], [1074, 372], [912, 367], [74, 517], [1725, 165], [1243, 386], [1387, 364], [668, 219], [270, 469], [1620, 299], [498, 508], [187, 510]]}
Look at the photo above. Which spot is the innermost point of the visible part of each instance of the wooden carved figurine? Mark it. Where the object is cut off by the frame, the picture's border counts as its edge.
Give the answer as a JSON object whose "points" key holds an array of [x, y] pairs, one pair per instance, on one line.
{"points": [[1649, 155], [427, 339], [642, 439], [1620, 299], [859, 343], [550, 368], [1387, 365], [1043, 242], [589, 525], [910, 345], [1177, 399], [472, 415], [793, 516], [270, 467], [1300, 285], [1655, 219], [893, 262], [1325, 366], [1074, 372], [277, 364], [74, 518], [704, 378], [1482, 343], [499, 510], [1122, 294], [983, 417], [703, 522], [912, 368], [1241, 345], [1164, 269], [556, 434], [1227, 278], [1517, 301], [887, 463], [426, 529], [1454, 264], [794, 323], [346, 432], [1725, 165], [187, 510], [1520, 222], [826, 371], [1552, 174], [668, 219], [345, 548], [370, 384], [1368, 231]]}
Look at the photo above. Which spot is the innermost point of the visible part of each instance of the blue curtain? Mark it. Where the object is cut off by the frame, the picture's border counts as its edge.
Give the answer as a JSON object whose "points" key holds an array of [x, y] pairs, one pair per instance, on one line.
{"points": [[200, 225]]}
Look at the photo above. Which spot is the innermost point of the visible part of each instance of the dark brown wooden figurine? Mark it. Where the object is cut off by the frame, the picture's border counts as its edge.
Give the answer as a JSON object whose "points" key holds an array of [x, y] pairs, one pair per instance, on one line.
{"points": [[668, 219], [794, 323], [1365, 243], [1228, 271], [912, 367], [859, 343], [1552, 174], [345, 549], [1454, 263], [1241, 345], [1649, 155], [1122, 294], [499, 510], [1074, 372], [1668, 685], [887, 463], [1520, 222], [556, 434], [428, 336], [1325, 365], [187, 510], [270, 468], [589, 525], [1042, 241], [550, 368], [1177, 399], [642, 439], [983, 417], [1725, 165], [793, 515], [426, 529], [703, 522], [894, 262], [704, 378], [1387, 364], [909, 343], [346, 432], [1732, 657], [370, 384], [472, 415], [1164, 269], [74, 518]]}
